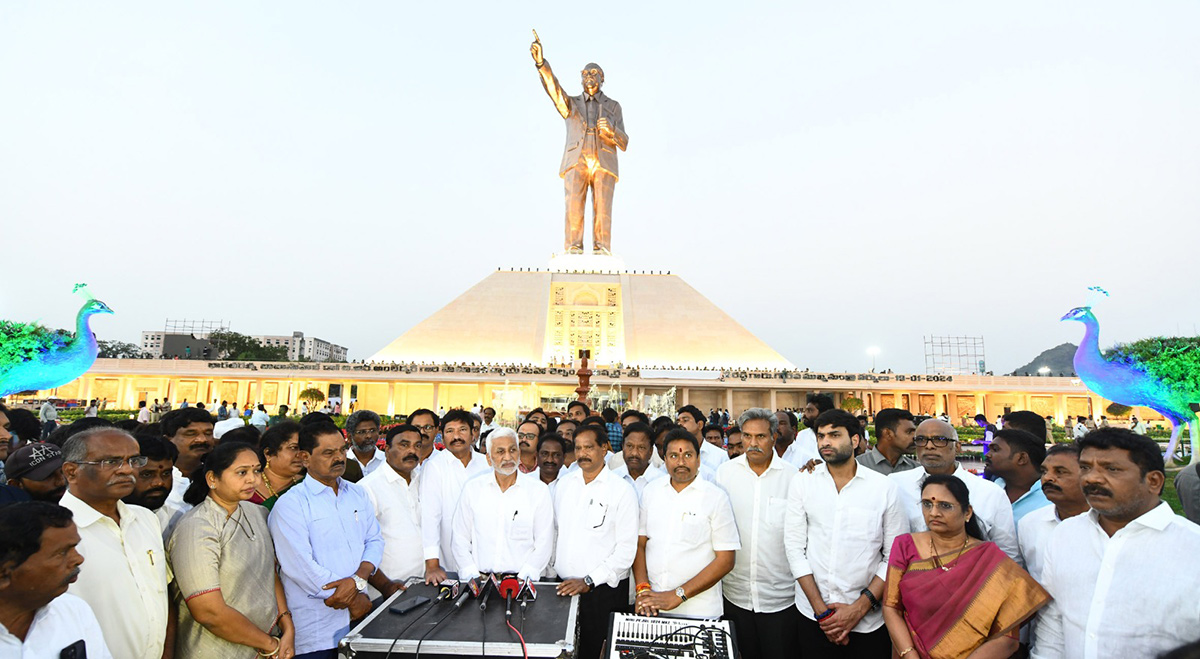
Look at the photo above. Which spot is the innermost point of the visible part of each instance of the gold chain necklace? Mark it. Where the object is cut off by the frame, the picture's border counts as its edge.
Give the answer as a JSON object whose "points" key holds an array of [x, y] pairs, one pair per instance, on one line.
{"points": [[267, 482], [937, 560]]}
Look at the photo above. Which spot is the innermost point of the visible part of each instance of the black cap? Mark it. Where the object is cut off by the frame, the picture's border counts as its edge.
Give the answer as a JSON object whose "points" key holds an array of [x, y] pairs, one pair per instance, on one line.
{"points": [[37, 461]]}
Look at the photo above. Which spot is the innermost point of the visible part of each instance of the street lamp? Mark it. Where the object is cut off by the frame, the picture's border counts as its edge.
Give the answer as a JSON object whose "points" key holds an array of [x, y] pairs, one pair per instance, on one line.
{"points": [[873, 351]]}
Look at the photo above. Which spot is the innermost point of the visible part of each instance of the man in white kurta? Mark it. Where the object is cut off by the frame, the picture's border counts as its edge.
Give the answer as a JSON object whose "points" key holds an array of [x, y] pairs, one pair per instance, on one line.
{"points": [[442, 478], [504, 524], [392, 490], [687, 538]]}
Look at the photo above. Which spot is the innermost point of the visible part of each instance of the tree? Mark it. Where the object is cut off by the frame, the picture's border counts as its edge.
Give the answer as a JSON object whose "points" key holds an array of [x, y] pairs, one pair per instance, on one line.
{"points": [[1118, 410], [120, 349], [313, 396], [852, 404], [232, 345]]}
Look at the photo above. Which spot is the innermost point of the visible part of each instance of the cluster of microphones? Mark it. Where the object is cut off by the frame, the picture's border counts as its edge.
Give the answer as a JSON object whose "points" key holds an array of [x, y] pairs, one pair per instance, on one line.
{"points": [[506, 586]]}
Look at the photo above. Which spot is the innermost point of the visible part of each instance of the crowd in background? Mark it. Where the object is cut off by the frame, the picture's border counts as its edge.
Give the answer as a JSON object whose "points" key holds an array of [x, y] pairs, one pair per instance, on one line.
{"points": [[184, 533]]}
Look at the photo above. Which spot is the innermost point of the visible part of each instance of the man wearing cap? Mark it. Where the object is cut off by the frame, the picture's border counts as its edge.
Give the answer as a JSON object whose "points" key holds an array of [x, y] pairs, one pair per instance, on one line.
{"points": [[36, 470]]}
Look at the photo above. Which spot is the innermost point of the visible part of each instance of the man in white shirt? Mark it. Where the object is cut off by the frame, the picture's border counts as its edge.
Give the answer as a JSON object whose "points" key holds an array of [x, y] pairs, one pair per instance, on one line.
{"points": [[489, 421], [597, 515], [1111, 597], [692, 419], [1081, 428], [442, 479], [550, 450], [143, 415], [759, 591], [937, 445], [1060, 484], [636, 450], [38, 620], [841, 521], [126, 578], [392, 490], [363, 429], [504, 524], [191, 431], [804, 449], [687, 537]]}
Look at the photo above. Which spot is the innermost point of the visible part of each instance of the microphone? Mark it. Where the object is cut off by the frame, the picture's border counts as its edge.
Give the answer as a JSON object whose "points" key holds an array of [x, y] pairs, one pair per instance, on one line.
{"points": [[528, 592], [462, 598], [509, 588], [448, 588], [479, 589]]}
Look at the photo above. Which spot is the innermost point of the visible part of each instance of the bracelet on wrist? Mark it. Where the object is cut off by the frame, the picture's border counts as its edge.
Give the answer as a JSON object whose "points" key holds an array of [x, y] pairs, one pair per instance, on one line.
{"points": [[643, 587], [826, 614], [906, 651], [866, 592], [272, 653]]}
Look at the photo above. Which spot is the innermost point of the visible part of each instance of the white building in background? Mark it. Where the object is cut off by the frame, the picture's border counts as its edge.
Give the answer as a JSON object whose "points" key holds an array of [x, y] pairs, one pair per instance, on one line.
{"points": [[302, 347]]}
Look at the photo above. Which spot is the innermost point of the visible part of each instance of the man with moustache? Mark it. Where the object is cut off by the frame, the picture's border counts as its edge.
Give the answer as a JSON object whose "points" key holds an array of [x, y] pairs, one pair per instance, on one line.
{"points": [[191, 431], [441, 486], [127, 576], [804, 449], [1061, 485], [38, 561], [759, 592], [734, 443], [1113, 594], [328, 544], [635, 468], [504, 524], [597, 514], [937, 448], [527, 440], [692, 419], [687, 537], [428, 423], [36, 469], [550, 460], [841, 521], [1014, 458], [153, 481], [392, 490], [894, 432], [362, 427]]}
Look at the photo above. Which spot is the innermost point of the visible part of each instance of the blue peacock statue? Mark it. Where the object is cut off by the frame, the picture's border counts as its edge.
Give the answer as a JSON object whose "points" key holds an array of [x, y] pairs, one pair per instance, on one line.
{"points": [[1133, 378], [33, 358]]}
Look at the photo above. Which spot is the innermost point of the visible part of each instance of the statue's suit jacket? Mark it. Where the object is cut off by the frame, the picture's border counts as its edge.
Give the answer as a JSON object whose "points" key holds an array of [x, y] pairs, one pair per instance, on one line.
{"points": [[572, 110]]}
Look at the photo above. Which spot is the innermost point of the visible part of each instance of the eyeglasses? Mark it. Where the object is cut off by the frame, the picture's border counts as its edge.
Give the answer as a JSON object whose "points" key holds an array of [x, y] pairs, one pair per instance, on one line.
{"points": [[137, 462], [937, 441], [426, 428], [368, 431], [526, 435], [944, 506]]}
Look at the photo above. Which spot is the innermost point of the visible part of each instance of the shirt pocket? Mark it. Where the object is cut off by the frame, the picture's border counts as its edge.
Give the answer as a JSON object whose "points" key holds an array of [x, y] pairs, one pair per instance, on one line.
{"points": [[776, 509], [862, 526], [597, 515], [522, 528], [694, 530]]}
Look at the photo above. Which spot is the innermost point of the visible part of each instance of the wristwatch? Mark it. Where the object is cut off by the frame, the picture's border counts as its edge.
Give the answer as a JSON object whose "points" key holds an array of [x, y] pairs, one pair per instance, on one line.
{"points": [[680, 593], [587, 581], [359, 583]]}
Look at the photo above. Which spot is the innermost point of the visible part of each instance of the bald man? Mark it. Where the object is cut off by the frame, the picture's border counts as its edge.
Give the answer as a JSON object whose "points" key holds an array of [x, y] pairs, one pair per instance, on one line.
{"points": [[937, 450]]}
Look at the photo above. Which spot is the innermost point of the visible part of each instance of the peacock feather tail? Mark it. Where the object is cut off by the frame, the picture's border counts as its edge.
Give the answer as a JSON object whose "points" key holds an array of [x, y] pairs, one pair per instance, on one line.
{"points": [[34, 358]]}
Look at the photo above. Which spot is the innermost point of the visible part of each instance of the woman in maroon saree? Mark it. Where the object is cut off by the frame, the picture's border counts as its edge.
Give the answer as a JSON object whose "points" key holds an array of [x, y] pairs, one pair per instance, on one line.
{"points": [[949, 593]]}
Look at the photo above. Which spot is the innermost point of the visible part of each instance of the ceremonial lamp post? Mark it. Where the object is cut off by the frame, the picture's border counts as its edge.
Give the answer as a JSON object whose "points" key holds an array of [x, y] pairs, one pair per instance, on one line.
{"points": [[585, 376]]}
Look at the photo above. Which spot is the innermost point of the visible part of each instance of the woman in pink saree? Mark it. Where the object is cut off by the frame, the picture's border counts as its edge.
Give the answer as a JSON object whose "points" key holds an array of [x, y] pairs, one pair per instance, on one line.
{"points": [[949, 593]]}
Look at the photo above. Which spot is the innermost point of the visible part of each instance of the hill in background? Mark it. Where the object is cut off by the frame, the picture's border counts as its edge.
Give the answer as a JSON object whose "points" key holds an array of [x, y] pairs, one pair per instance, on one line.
{"points": [[1059, 359]]}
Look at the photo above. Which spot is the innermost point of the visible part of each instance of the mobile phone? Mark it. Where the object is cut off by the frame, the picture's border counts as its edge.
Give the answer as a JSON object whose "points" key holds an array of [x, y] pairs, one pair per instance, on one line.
{"points": [[76, 650], [408, 605]]}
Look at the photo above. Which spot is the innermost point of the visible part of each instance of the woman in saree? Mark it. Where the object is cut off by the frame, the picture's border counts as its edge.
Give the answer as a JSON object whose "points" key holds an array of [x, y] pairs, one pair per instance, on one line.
{"points": [[951, 594], [282, 462], [229, 597]]}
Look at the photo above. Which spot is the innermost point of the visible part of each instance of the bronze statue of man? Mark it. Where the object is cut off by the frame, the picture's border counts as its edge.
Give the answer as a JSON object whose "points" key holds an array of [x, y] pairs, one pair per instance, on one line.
{"points": [[595, 131]]}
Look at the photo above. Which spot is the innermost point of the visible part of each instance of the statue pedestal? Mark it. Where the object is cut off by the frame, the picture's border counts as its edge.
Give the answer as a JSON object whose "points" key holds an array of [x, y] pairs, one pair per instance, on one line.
{"points": [[586, 263]]}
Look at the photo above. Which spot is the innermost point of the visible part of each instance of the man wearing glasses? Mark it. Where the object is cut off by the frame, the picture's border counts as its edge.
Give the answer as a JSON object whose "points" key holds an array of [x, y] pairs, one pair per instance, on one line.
{"points": [[597, 513], [363, 429], [124, 577], [190, 429], [937, 446], [427, 422], [527, 440]]}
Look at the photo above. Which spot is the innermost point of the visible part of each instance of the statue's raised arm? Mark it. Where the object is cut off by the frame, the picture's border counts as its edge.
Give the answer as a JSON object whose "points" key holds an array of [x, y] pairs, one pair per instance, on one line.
{"points": [[555, 90]]}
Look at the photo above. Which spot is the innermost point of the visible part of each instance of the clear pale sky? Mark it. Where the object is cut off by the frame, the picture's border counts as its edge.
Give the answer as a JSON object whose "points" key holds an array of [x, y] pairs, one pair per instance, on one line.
{"points": [[833, 175]]}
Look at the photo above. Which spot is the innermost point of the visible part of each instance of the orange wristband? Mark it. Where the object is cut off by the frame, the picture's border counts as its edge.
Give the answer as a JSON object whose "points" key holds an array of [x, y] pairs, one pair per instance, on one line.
{"points": [[643, 587]]}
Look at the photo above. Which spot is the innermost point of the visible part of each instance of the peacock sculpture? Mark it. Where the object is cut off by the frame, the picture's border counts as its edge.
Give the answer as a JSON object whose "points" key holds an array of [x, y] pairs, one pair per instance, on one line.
{"points": [[33, 358], [1161, 374]]}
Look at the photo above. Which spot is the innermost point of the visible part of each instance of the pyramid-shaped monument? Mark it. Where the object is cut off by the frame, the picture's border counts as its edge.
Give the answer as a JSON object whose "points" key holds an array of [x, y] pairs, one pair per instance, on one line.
{"points": [[546, 317]]}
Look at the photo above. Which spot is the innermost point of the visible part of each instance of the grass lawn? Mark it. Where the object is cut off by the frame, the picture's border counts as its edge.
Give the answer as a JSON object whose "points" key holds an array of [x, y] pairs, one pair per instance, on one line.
{"points": [[1169, 495]]}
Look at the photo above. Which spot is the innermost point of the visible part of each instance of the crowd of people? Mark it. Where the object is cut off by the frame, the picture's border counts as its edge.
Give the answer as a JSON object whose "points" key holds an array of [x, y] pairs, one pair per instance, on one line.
{"points": [[190, 536]]}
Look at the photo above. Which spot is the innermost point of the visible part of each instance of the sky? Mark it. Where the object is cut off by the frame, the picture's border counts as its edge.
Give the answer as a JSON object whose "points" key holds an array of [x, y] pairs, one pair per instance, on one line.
{"points": [[835, 176]]}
